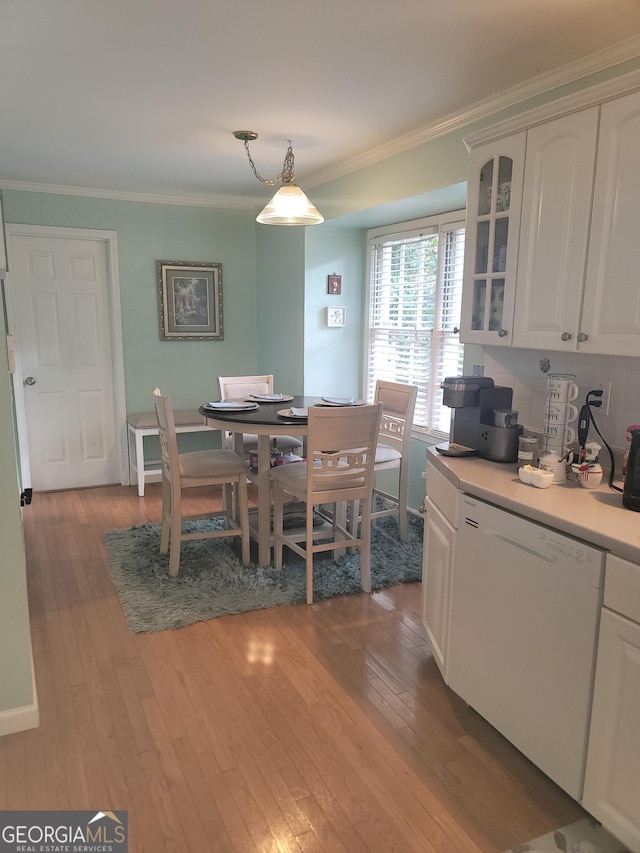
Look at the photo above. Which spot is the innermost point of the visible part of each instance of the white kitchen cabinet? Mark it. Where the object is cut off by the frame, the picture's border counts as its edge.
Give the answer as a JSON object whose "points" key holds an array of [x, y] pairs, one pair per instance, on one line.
{"points": [[554, 233], [612, 780], [493, 222], [611, 312], [437, 563]]}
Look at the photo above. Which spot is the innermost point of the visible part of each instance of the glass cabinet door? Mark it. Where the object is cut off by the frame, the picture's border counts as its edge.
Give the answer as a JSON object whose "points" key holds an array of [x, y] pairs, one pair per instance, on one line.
{"points": [[491, 226]]}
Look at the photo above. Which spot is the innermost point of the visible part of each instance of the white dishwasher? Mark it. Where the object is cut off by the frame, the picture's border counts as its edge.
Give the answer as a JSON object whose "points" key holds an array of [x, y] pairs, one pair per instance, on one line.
{"points": [[525, 606]]}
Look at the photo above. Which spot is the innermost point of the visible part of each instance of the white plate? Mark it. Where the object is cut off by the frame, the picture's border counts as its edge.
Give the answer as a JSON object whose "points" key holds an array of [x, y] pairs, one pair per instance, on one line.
{"points": [[324, 402], [230, 406], [287, 413], [270, 398]]}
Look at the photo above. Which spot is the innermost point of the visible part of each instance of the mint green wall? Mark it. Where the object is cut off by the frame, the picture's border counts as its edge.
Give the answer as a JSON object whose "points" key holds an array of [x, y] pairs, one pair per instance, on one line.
{"points": [[333, 356], [16, 675], [280, 259], [186, 370]]}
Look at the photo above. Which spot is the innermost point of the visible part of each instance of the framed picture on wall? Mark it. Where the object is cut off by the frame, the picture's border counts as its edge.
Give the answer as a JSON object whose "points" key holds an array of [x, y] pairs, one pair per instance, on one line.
{"points": [[334, 283], [190, 301], [337, 315]]}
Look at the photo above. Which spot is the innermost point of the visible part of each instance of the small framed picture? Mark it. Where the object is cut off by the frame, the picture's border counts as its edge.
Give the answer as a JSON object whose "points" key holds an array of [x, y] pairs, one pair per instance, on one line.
{"points": [[334, 283], [337, 315]]}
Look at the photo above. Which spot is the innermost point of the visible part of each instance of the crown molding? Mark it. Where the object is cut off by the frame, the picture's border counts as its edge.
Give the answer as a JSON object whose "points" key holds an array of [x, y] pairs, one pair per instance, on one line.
{"points": [[536, 86], [591, 97], [540, 85], [216, 201]]}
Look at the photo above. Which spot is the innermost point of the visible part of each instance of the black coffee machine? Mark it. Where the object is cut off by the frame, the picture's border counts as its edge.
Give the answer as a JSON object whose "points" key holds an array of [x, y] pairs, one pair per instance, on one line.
{"points": [[475, 401]]}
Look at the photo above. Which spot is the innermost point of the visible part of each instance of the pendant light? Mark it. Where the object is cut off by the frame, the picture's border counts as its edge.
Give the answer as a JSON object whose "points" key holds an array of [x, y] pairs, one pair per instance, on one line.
{"points": [[289, 206]]}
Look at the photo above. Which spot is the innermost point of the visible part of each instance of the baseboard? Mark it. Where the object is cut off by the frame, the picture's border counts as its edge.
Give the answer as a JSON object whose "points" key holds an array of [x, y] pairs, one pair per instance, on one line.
{"points": [[20, 719]]}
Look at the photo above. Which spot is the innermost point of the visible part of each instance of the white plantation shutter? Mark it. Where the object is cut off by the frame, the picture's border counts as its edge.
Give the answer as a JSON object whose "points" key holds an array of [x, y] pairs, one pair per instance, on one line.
{"points": [[415, 294]]}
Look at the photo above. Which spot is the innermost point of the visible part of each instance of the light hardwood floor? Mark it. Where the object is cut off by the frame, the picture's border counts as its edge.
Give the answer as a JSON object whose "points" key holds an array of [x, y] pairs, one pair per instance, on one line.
{"points": [[322, 728]]}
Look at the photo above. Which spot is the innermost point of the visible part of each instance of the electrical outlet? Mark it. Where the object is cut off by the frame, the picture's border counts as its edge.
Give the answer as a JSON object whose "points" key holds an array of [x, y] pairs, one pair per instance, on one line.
{"points": [[605, 387]]}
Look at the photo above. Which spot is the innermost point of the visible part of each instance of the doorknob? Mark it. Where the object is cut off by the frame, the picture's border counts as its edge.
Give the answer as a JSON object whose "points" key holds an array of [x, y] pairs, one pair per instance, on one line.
{"points": [[30, 380]]}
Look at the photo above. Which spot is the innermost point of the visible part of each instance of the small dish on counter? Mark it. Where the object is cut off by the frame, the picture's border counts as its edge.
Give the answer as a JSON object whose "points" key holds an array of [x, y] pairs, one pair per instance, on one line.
{"points": [[538, 477]]}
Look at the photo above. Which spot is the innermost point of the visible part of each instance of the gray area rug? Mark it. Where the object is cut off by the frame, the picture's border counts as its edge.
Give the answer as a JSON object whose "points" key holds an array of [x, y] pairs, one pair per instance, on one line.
{"points": [[213, 582], [583, 836]]}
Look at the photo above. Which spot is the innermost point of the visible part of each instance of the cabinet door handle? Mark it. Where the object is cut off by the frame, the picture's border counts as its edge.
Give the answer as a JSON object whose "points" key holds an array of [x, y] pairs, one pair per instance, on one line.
{"points": [[582, 337], [566, 336], [456, 330], [502, 333]]}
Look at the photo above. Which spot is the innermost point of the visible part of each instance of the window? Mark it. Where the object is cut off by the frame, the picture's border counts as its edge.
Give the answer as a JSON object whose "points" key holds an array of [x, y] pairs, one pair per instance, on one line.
{"points": [[414, 301]]}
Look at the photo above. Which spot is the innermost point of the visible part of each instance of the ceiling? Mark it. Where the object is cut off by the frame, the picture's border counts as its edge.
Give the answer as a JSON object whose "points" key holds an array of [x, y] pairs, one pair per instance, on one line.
{"points": [[142, 96]]}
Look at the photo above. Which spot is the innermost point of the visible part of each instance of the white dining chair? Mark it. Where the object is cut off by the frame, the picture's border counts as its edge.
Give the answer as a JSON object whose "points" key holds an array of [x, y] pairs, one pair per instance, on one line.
{"points": [[394, 438], [239, 387], [341, 446], [198, 468]]}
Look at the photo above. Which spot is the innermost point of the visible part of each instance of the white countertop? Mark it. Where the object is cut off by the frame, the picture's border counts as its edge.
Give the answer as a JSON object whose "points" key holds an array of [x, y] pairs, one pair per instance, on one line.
{"points": [[595, 515]]}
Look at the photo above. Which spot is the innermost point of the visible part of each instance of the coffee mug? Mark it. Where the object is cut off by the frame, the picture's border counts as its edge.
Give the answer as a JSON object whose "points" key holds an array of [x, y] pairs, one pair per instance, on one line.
{"points": [[559, 434], [561, 387], [560, 413]]}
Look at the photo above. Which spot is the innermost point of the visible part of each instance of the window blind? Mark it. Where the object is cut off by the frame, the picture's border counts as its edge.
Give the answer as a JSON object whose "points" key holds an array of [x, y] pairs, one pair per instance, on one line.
{"points": [[415, 295]]}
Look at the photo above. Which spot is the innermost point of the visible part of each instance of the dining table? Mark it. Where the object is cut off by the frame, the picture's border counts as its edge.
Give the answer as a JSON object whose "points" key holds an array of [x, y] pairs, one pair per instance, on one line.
{"points": [[264, 421]]}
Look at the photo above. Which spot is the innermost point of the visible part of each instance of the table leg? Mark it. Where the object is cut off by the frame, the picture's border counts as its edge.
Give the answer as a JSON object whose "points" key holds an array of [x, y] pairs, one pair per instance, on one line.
{"points": [[264, 500]]}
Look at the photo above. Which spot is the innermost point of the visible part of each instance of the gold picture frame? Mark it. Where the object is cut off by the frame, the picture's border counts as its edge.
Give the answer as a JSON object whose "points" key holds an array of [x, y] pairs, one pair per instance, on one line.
{"points": [[190, 301]]}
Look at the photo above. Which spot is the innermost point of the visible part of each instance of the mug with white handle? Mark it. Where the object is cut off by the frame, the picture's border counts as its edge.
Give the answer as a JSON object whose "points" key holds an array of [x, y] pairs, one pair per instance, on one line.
{"points": [[560, 413], [561, 388], [559, 434]]}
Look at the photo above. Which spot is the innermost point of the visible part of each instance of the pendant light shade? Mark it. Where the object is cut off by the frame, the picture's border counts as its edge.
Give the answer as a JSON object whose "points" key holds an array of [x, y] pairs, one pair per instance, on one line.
{"points": [[290, 206]]}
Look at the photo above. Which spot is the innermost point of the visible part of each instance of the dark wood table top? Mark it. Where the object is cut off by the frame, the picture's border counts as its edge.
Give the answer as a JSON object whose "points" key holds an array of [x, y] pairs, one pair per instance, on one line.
{"points": [[265, 414]]}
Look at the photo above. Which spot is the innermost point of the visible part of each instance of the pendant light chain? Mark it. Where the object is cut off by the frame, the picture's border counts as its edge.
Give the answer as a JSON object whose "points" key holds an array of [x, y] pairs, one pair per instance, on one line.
{"points": [[286, 175]]}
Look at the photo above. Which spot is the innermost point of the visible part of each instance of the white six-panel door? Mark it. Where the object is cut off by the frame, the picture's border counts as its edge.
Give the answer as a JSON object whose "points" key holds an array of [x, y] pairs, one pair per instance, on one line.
{"points": [[62, 320]]}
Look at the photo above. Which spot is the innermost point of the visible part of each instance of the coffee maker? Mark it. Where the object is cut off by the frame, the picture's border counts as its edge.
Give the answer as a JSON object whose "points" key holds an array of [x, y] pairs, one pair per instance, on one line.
{"points": [[481, 420]]}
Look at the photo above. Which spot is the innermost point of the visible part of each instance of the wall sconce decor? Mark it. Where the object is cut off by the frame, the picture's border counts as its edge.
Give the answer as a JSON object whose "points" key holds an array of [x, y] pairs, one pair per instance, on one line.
{"points": [[289, 206]]}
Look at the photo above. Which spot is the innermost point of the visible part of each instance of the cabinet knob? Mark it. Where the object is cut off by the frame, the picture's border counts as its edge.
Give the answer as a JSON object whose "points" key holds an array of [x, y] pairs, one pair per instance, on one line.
{"points": [[502, 333], [582, 337], [422, 507], [566, 336]]}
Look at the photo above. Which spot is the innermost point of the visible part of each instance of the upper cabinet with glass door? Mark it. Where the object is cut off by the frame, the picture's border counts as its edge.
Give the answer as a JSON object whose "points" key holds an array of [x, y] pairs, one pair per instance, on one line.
{"points": [[494, 198]]}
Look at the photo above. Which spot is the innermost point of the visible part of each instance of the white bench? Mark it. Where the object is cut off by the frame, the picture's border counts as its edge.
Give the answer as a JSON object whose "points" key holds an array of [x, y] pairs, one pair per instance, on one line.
{"points": [[144, 423]]}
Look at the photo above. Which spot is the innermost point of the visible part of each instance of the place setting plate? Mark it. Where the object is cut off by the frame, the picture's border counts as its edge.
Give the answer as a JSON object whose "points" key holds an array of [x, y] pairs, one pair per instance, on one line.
{"points": [[298, 414], [231, 406], [339, 401], [269, 398]]}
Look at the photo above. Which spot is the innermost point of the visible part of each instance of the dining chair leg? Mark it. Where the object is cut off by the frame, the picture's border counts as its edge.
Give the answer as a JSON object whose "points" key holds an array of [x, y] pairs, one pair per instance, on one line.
{"points": [[175, 534], [242, 504], [165, 529], [402, 507], [365, 547], [278, 516], [309, 554]]}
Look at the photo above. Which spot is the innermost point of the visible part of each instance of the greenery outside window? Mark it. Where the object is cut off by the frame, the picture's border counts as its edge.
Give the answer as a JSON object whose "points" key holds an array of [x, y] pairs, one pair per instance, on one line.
{"points": [[413, 311]]}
